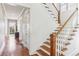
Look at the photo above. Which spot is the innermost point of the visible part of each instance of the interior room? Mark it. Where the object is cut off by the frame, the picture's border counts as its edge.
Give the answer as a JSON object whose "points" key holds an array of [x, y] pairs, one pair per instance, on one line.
{"points": [[39, 29]]}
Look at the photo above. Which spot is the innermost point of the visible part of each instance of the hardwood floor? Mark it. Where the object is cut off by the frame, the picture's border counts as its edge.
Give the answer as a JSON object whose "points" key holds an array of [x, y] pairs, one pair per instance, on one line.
{"points": [[25, 52], [20, 50]]}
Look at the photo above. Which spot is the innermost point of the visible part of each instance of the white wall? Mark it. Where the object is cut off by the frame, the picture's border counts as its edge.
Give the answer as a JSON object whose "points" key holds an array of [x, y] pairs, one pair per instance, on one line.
{"points": [[41, 26], [66, 14]]}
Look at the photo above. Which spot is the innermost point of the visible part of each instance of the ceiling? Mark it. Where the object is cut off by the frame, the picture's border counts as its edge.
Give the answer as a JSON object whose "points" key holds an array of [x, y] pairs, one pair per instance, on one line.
{"points": [[12, 10]]}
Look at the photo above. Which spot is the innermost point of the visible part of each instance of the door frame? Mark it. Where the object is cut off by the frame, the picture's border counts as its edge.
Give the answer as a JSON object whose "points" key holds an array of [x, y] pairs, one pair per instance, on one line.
{"points": [[10, 20]]}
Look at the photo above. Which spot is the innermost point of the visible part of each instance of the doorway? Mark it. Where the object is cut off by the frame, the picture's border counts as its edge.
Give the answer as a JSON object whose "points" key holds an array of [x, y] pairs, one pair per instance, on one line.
{"points": [[12, 28]]}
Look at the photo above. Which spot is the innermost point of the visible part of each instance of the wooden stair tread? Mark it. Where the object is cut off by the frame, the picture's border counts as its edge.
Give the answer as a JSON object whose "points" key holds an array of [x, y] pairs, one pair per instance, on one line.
{"points": [[46, 7], [74, 30], [76, 27], [44, 3], [72, 34], [64, 49], [61, 54], [48, 39], [67, 43], [56, 20], [56, 30], [52, 14], [49, 10], [42, 52], [35, 55], [47, 43], [70, 38], [54, 17], [45, 48]]}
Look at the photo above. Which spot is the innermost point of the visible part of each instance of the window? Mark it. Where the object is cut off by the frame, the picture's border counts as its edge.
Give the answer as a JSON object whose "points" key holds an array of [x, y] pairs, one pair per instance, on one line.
{"points": [[64, 6]]}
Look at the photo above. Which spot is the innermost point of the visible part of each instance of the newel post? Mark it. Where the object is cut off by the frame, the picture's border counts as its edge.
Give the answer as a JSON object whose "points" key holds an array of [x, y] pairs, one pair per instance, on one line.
{"points": [[53, 44]]}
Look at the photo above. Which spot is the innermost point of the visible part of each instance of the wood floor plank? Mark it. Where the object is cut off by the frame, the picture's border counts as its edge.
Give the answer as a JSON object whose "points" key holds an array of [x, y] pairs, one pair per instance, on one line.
{"points": [[42, 52], [45, 48], [47, 43]]}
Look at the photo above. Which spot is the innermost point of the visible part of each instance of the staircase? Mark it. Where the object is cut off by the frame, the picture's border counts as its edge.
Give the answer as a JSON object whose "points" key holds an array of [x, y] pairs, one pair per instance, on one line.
{"points": [[44, 50], [59, 44]]}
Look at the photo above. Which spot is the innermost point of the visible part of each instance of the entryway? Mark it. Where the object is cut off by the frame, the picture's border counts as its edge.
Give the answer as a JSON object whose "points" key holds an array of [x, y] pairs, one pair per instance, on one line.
{"points": [[16, 30]]}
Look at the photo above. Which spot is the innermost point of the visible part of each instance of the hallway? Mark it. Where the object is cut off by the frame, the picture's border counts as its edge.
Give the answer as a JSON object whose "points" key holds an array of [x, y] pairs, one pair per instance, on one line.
{"points": [[14, 49], [13, 26]]}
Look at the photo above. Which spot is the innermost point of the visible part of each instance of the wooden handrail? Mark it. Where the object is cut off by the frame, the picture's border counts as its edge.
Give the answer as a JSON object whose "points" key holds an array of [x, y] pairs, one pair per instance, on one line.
{"points": [[67, 21], [55, 7], [59, 21], [58, 11]]}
